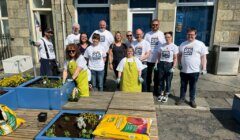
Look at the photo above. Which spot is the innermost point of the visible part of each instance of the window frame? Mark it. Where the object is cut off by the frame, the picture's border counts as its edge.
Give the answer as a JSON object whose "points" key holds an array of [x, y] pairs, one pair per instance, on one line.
{"points": [[1, 20], [132, 11], [196, 3]]}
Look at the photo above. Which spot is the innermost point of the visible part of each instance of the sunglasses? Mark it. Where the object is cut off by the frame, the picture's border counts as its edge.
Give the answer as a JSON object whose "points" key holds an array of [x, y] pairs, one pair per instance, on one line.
{"points": [[129, 35], [71, 51], [154, 24]]}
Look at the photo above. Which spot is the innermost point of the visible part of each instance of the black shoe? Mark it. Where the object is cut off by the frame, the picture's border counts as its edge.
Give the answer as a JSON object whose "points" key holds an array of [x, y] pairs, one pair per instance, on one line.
{"points": [[180, 101], [193, 104]]}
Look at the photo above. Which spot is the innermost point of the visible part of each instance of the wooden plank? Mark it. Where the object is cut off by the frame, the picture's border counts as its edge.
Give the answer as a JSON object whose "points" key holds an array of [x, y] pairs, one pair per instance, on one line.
{"points": [[97, 101], [133, 101], [31, 127], [146, 114]]}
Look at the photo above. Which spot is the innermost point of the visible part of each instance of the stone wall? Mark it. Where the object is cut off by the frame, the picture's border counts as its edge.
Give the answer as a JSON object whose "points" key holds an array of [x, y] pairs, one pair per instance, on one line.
{"points": [[18, 26], [166, 14], [227, 29], [118, 16]]}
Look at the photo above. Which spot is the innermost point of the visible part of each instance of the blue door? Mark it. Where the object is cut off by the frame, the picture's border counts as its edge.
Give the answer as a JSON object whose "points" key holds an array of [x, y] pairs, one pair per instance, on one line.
{"points": [[199, 17], [89, 18], [142, 21]]}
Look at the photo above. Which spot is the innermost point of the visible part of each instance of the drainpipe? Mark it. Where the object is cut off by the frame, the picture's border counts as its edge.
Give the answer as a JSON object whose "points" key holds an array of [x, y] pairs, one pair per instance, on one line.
{"points": [[63, 25]]}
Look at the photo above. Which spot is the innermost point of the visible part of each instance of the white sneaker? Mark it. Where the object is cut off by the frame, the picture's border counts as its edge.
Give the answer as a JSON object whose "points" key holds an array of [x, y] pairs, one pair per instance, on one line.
{"points": [[160, 97], [165, 98]]}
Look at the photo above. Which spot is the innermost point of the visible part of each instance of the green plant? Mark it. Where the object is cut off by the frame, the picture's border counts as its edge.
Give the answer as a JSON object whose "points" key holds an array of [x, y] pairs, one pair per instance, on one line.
{"points": [[74, 96], [50, 132], [12, 81], [67, 133], [51, 84]]}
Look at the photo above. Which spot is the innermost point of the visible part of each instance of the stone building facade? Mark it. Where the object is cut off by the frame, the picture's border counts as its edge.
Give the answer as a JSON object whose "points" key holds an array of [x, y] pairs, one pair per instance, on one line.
{"points": [[225, 27]]}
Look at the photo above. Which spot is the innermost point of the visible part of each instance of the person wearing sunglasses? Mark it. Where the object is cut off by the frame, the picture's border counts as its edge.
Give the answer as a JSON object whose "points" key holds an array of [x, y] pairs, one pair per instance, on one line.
{"points": [[167, 58], [192, 61], [155, 37], [48, 63], [129, 73], [130, 39], [96, 57], [76, 65]]}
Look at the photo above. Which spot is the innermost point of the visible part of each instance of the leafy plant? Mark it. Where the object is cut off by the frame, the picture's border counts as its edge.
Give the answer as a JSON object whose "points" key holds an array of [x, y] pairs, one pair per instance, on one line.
{"points": [[74, 96], [12, 81], [51, 84], [67, 133], [50, 132]]}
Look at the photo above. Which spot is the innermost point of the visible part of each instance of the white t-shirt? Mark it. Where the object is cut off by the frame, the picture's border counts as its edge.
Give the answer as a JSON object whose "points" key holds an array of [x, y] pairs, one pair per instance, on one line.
{"points": [[72, 39], [50, 49], [81, 62], [155, 39], [106, 38], [191, 55], [140, 48], [95, 54], [167, 51], [122, 63]]}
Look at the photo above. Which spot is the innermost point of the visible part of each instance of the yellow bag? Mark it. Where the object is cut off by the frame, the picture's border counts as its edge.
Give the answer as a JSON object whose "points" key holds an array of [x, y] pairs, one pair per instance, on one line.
{"points": [[124, 127], [8, 120]]}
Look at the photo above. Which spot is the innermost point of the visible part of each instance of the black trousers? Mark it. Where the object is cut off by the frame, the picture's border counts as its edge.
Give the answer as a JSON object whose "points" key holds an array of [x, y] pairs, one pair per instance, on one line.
{"points": [[165, 77], [48, 67], [149, 78], [105, 70]]}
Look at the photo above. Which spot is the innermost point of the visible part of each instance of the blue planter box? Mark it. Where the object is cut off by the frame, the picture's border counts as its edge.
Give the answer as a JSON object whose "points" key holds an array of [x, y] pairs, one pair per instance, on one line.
{"points": [[236, 107], [9, 99], [41, 136], [43, 98]]}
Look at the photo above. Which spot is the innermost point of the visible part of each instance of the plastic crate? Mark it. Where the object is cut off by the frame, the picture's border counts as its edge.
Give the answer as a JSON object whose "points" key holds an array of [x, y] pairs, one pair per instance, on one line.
{"points": [[43, 98], [40, 135]]}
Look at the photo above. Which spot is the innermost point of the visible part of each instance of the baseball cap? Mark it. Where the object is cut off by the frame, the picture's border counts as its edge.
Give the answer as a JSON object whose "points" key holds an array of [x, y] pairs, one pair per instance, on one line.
{"points": [[49, 30]]}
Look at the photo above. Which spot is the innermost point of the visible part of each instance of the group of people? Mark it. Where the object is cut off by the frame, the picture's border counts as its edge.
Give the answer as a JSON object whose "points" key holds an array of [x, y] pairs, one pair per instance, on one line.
{"points": [[134, 62]]}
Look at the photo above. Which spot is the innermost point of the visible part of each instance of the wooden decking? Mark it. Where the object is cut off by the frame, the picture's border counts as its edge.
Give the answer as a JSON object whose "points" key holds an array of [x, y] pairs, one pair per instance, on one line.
{"points": [[137, 104], [31, 127]]}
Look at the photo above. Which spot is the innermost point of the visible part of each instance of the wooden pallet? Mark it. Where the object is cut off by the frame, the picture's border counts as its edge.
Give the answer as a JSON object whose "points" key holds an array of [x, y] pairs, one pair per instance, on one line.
{"points": [[97, 101], [133, 101], [31, 127]]}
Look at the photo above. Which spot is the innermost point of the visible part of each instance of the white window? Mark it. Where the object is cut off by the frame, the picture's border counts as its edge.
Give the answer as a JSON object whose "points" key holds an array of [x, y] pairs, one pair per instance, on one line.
{"points": [[4, 27]]}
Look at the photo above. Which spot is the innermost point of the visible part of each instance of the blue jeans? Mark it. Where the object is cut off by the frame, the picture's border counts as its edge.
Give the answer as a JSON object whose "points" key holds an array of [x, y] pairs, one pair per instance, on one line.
{"points": [[192, 79], [97, 79], [165, 77]]}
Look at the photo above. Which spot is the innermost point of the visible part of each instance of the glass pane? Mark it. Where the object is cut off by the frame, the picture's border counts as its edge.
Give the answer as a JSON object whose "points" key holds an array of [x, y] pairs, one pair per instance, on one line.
{"points": [[142, 21], [198, 17], [42, 4], [196, 0], [5, 27], [88, 18], [3, 7], [143, 3], [92, 1]]}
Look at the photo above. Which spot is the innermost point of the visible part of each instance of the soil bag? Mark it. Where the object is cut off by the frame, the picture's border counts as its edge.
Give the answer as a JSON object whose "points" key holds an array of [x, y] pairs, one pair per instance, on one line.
{"points": [[8, 120], [124, 127]]}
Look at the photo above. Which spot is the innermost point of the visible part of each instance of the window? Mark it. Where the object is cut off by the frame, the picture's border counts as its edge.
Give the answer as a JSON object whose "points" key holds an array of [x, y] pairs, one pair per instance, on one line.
{"points": [[196, 0], [92, 1], [4, 27], [138, 21], [143, 3]]}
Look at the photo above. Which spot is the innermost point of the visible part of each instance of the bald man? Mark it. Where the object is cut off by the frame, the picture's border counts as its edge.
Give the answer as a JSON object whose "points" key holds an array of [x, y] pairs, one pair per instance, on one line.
{"points": [[106, 39], [74, 37], [142, 50]]}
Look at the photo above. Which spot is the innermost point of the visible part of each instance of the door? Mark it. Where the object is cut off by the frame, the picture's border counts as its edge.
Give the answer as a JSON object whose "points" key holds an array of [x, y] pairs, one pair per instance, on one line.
{"points": [[142, 21], [199, 17]]}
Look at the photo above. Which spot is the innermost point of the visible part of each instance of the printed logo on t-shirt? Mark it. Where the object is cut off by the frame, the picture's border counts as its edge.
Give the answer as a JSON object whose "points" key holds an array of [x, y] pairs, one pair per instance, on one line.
{"points": [[166, 54], [188, 51], [51, 50], [138, 51], [102, 38], [96, 55], [154, 41], [76, 41]]}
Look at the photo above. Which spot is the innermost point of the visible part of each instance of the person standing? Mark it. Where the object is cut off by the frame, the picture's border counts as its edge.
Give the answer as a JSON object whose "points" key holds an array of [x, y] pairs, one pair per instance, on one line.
{"points": [[48, 64], [73, 38], [130, 39], [96, 57], [106, 39], [155, 38], [192, 61], [76, 65], [129, 73], [117, 52], [84, 43], [142, 51], [167, 54]]}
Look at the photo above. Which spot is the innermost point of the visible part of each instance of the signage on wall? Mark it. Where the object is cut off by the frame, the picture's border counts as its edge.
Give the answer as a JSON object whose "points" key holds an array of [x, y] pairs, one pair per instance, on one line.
{"points": [[179, 22]]}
